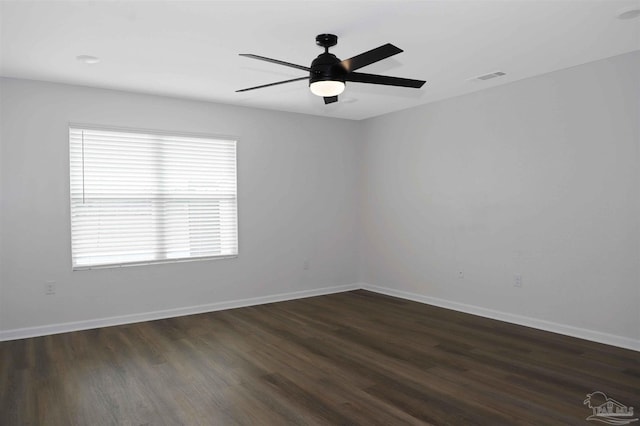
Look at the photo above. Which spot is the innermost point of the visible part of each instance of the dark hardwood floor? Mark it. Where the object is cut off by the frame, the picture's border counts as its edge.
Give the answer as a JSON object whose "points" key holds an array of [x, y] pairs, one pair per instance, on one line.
{"points": [[343, 359]]}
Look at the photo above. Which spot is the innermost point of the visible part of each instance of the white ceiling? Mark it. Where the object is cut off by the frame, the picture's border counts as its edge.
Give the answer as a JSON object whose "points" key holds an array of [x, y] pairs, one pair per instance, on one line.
{"points": [[190, 48]]}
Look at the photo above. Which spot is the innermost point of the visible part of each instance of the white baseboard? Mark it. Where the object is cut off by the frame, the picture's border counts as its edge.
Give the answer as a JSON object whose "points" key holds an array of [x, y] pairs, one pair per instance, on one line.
{"points": [[22, 333], [581, 333]]}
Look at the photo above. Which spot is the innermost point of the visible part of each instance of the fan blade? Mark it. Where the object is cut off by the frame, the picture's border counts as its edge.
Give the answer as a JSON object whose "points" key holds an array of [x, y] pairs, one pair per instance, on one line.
{"points": [[275, 61], [359, 77], [330, 99], [368, 58], [273, 84]]}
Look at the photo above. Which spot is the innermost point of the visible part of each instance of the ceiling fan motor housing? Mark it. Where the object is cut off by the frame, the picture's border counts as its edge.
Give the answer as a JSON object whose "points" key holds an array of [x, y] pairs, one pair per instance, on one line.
{"points": [[326, 67]]}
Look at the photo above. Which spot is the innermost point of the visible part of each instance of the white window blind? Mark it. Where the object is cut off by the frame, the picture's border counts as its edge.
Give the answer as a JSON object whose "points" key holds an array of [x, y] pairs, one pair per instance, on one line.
{"points": [[138, 197]]}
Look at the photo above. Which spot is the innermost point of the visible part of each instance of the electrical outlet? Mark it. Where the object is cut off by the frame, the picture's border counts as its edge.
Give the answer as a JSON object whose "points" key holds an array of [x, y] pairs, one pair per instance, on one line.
{"points": [[461, 275], [517, 280], [305, 265], [50, 288]]}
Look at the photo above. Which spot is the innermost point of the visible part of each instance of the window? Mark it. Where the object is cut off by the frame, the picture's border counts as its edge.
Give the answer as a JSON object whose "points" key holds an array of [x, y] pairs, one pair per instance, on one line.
{"points": [[138, 197]]}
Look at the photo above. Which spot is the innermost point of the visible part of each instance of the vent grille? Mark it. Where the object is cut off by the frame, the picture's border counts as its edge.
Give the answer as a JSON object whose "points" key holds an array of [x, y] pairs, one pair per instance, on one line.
{"points": [[489, 76]]}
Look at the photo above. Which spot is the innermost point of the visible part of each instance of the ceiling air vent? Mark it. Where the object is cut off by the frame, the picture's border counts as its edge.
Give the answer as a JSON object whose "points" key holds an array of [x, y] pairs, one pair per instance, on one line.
{"points": [[489, 76]]}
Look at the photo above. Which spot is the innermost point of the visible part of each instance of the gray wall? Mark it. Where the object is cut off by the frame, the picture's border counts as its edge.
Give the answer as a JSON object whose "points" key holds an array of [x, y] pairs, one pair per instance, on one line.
{"points": [[297, 201], [539, 177]]}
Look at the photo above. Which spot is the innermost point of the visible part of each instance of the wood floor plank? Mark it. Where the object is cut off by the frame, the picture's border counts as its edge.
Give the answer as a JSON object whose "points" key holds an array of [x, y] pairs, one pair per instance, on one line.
{"points": [[355, 358]]}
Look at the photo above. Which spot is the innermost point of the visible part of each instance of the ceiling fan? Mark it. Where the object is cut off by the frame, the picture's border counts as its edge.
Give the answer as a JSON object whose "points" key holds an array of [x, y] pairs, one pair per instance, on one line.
{"points": [[328, 74]]}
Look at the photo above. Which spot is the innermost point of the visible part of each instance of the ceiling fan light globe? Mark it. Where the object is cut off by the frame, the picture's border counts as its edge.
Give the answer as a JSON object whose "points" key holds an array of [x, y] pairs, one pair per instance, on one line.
{"points": [[327, 88]]}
